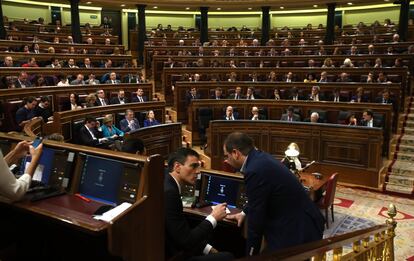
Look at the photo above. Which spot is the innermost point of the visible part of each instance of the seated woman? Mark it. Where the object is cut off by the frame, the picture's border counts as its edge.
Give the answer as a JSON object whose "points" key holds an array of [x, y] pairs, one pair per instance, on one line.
{"points": [[352, 120], [150, 120], [90, 100], [310, 77], [109, 130], [12, 189], [73, 103], [275, 95], [291, 159]]}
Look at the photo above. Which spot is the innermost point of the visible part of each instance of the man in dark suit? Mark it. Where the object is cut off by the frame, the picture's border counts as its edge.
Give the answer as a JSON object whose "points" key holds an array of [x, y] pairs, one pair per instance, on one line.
{"points": [[22, 81], [89, 134], [368, 120], [256, 115], [230, 115], [120, 98], [180, 239], [130, 123], [290, 115], [113, 79], [43, 109], [335, 96], [134, 78], [279, 208], [294, 94], [237, 95], [192, 95], [316, 94], [218, 94], [140, 96], [101, 101], [385, 98]]}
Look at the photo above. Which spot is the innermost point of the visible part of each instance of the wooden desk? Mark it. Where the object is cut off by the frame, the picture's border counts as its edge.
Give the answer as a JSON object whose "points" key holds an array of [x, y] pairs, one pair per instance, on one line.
{"points": [[65, 225]]}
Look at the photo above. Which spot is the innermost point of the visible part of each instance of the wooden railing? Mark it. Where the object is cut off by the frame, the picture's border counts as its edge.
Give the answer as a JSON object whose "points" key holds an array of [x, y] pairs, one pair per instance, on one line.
{"points": [[375, 243]]}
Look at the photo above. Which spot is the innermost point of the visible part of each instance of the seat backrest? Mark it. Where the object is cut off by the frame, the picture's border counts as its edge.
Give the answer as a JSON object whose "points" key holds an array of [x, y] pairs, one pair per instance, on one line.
{"points": [[330, 190], [205, 115]]}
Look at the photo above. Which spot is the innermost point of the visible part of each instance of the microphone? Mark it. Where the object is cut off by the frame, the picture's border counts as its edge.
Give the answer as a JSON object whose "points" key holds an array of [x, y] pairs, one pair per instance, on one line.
{"points": [[197, 189], [308, 165]]}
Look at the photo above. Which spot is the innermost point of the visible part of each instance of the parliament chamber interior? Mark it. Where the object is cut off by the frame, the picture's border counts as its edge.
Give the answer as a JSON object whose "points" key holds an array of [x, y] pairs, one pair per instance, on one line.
{"points": [[257, 116]]}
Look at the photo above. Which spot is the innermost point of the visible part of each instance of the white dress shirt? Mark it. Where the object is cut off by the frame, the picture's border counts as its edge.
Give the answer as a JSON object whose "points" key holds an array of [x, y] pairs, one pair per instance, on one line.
{"points": [[210, 218]]}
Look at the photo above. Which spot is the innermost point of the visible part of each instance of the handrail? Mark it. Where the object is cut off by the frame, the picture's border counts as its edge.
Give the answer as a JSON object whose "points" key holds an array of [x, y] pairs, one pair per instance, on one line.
{"points": [[319, 248]]}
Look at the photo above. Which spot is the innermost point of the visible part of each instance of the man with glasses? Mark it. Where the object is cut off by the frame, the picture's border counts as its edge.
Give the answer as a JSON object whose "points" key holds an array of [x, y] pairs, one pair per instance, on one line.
{"points": [[182, 242], [279, 208]]}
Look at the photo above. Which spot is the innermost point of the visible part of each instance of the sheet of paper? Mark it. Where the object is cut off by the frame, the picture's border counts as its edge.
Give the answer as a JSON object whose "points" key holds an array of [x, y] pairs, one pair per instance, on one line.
{"points": [[227, 209], [113, 213], [38, 174]]}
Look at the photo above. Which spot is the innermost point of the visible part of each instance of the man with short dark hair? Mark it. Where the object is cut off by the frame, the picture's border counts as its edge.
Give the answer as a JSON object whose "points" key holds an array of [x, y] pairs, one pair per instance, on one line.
{"points": [[101, 101], [183, 167], [140, 96], [89, 135], [279, 208], [130, 123], [43, 109], [120, 98], [22, 81], [368, 120], [290, 115], [26, 113]]}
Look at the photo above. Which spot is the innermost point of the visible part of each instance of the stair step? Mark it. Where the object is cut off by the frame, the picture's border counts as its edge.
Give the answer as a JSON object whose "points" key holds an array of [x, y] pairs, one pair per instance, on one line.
{"points": [[407, 139], [404, 156], [407, 148], [401, 180], [399, 189]]}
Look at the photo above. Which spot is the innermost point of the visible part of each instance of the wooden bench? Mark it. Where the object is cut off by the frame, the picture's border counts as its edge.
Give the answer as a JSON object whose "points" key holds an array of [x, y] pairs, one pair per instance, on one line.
{"points": [[266, 90], [380, 48], [60, 47], [172, 75], [159, 62], [354, 152], [274, 111], [62, 121]]}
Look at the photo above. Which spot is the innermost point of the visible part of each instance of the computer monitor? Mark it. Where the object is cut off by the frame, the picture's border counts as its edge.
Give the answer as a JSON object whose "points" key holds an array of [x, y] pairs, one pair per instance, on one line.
{"points": [[218, 189], [109, 181], [54, 167]]}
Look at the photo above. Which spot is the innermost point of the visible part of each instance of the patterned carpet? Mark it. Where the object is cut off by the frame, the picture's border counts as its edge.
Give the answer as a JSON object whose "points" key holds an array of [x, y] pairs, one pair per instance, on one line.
{"points": [[358, 209]]}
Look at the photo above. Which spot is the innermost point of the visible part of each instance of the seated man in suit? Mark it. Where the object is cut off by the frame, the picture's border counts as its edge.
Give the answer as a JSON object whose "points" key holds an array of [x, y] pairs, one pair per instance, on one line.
{"points": [[230, 115], [289, 77], [290, 115], [130, 123], [359, 96], [120, 98], [89, 134], [101, 101], [218, 94], [294, 94], [22, 81], [324, 77], [112, 79], [314, 118], [181, 241], [26, 113], [385, 97], [316, 95], [92, 80], [78, 81], [192, 95], [251, 94], [134, 78], [43, 109], [140, 96], [237, 94], [368, 120], [335, 96], [256, 115]]}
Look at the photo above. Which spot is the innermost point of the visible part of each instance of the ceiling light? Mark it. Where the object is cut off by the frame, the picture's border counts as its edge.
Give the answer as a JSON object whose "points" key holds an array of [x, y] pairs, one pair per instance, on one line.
{"points": [[249, 8], [282, 7], [155, 7], [315, 6], [218, 8], [123, 5], [187, 8], [349, 3], [386, 0], [88, 3]]}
